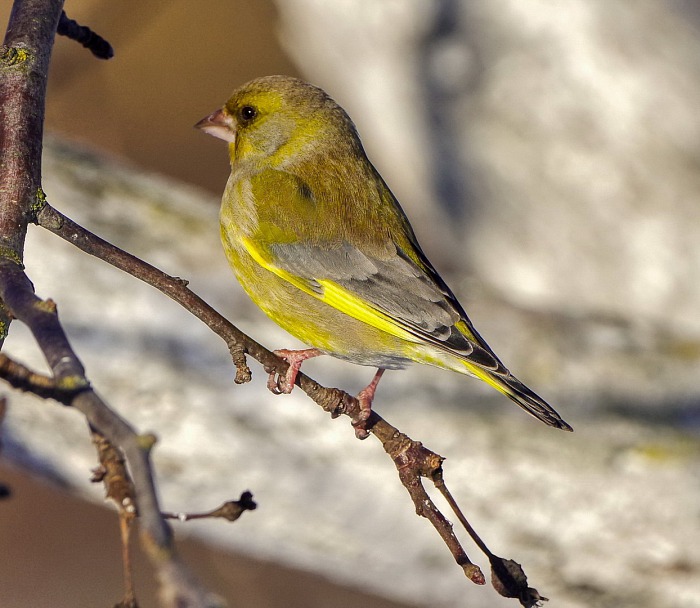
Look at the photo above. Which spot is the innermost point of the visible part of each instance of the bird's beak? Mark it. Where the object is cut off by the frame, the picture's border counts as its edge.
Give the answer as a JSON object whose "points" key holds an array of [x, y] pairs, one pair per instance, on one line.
{"points": [[219, 124]]}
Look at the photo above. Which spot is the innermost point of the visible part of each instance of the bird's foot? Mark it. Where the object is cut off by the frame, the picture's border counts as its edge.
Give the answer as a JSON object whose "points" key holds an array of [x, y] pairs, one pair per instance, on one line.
{"points": [[365, 398], [283, 384]]}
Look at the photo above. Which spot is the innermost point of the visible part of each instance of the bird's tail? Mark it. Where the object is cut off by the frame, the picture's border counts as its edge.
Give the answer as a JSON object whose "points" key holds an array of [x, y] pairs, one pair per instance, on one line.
{"points": [[515, 390]]}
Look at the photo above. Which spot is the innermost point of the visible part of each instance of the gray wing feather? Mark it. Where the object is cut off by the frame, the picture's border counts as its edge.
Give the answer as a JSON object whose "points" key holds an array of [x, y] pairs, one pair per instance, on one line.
{"points": [[418, 299], [393, 284]]}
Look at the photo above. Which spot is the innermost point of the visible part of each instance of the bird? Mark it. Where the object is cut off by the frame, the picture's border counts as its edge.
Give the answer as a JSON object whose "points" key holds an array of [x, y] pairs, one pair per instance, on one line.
{"points": [[318, 241]]}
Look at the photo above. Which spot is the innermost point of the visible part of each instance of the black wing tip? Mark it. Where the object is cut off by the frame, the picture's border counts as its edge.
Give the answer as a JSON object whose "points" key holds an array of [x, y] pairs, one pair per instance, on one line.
{"points": [[549, 415], [562, 425], [535, 405]]}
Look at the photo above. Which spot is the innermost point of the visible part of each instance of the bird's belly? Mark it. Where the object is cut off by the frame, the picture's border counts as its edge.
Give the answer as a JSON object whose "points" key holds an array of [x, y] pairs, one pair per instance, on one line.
{"points": [[315, 323]]}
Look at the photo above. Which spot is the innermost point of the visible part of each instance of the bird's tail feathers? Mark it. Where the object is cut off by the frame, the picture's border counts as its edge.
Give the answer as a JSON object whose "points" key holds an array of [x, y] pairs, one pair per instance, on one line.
{"points": [[515, 390]]}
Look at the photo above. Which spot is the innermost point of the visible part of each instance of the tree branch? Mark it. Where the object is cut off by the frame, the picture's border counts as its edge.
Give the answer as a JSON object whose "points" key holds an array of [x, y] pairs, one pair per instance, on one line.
{"points": [[410, 457], [24, 66], [24, 62], [93, 42]]}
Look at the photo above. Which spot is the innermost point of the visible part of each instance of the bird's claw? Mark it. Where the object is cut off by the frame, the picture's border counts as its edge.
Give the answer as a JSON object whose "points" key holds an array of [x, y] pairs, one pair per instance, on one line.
{"points": [[282, 384], [360, 422], [360, 427], [279, 384], [273, 383], [364, 400]]}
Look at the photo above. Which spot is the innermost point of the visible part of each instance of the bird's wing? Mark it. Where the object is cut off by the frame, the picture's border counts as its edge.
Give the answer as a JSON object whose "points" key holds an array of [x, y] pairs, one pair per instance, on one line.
{"points": [[405, 300], [309, 237], [392, 293]]}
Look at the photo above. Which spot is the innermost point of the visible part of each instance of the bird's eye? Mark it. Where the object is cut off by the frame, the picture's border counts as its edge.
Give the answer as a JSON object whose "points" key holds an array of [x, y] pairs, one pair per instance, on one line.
{"points": [[248, 112]]}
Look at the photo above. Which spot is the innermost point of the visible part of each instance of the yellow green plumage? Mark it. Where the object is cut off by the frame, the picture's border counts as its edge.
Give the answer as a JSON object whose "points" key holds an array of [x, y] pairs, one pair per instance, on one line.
{"points": [[319, 242]]}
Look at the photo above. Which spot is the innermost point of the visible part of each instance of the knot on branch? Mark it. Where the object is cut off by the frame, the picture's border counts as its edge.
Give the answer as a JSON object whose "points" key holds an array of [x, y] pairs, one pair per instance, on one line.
{"points": [[95, 43], [40, 201], [332, 400], [408, 454], [146, 441], [48, 306], [243, 373], [46, 215], [12, 55]]}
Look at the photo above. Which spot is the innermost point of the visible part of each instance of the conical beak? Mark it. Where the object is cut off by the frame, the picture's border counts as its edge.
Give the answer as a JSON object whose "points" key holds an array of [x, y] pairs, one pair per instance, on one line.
{"points": [[219, 124]]}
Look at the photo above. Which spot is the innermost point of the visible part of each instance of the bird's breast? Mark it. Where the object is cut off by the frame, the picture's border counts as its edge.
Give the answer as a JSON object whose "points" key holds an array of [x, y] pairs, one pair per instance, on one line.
{"points": [[238, 215]]}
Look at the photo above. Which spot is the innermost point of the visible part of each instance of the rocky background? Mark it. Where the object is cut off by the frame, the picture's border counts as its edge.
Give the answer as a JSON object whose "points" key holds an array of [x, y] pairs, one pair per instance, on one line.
{"points": [[547, 153]]}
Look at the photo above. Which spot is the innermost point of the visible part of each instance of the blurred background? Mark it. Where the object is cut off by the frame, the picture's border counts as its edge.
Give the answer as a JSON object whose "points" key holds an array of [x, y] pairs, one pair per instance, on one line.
{"points": [[548, 156]]}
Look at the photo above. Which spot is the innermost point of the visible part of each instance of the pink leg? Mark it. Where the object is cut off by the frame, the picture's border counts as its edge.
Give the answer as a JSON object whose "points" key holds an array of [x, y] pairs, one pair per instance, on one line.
{"points": [[278, 384], [365, 397]]}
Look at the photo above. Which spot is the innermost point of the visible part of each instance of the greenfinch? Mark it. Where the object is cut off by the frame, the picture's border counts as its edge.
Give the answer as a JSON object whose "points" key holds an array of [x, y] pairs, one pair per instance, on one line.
{"points": [[322, 246]]}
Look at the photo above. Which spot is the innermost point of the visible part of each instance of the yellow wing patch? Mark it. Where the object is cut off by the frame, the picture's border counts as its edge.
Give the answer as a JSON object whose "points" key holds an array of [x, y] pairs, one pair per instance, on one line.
{"points": [[336, 296]]}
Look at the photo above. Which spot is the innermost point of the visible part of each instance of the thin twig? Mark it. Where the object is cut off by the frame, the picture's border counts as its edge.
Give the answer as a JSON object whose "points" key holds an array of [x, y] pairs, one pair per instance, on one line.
{"points": [[47, 387], [93, 42], [231, 510], [411, 458], [174, 287], [113, 473]]}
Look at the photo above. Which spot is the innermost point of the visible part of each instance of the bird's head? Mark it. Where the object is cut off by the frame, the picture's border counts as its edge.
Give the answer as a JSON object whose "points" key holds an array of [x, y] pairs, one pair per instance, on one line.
{"points": [[277, 118]]}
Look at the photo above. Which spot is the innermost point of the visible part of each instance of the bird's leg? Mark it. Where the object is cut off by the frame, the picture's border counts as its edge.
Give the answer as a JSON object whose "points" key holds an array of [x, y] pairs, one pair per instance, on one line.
{"points": [[365, 397], [279, 384]]}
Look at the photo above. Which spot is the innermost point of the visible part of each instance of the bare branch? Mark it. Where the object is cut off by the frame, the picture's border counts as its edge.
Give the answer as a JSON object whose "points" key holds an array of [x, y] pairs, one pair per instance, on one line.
{"points": [[24, 61], [411, 458], [174, 287], [93, 42], [46, 387], [24, 65], [156, 536], [120, 489], [231, 510]]}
